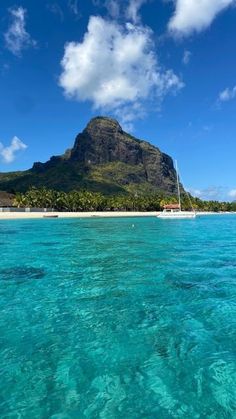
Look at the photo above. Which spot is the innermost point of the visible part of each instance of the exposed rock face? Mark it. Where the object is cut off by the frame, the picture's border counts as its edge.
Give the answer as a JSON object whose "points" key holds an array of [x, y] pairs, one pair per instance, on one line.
{"points": [[104, 158], [103, 141]]}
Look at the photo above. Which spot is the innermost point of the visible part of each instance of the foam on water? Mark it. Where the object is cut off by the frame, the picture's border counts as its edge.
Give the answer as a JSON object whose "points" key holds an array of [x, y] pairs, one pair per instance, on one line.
{"points": [[118, 318]]}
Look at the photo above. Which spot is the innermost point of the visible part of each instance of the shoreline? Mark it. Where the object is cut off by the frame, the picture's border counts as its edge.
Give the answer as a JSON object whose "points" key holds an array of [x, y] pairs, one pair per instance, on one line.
{"points": [[7, 215]]}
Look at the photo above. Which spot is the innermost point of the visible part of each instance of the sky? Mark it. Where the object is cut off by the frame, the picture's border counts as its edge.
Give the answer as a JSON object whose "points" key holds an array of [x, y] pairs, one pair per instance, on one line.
{"points": [[165, 69]]}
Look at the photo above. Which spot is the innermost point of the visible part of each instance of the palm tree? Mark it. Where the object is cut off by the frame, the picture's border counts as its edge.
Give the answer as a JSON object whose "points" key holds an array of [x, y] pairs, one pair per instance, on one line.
{"points": [[19, 200]]}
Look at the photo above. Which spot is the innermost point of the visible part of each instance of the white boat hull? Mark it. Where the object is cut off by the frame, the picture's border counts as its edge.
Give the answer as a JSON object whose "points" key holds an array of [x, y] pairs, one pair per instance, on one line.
{"points": [[177, 215]]}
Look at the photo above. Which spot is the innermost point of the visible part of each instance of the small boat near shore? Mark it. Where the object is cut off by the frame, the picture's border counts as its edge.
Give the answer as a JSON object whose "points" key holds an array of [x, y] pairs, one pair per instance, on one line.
{"points": [[176, 214], [174, 211]]}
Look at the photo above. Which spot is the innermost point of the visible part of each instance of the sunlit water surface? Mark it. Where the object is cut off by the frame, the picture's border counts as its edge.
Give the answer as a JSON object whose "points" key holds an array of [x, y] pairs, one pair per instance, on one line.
{"points": [[118, 318]]}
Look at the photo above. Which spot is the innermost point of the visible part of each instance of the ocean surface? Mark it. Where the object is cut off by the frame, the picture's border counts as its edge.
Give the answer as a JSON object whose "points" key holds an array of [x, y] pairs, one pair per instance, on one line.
{"points": [[118, 318]]}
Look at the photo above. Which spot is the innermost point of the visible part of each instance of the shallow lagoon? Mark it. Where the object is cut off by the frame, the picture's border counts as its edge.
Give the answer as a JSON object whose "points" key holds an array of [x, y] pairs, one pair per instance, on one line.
{"points": [[118, 318]]}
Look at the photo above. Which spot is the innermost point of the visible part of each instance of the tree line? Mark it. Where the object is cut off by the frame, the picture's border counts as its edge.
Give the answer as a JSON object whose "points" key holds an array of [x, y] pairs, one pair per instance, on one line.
{"points": [[94, 201]]}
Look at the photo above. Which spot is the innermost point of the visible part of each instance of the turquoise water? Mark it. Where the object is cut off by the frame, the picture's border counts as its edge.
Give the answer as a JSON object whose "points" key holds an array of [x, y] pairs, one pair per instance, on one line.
{"points": [[118, 318]]}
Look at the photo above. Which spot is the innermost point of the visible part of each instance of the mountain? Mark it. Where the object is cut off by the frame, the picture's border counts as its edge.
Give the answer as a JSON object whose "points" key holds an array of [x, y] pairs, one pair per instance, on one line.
{"points": [[104, 158]]}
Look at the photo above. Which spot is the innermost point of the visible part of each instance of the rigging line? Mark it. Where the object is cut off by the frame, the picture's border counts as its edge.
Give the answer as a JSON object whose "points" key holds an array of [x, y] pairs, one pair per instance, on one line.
{"points": [[187, 193], [177, 174]]}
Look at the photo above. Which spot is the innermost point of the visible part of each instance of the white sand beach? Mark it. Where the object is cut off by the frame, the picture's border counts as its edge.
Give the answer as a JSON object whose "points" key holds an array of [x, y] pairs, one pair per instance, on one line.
{"points": [[105, 214], [7, 215]]}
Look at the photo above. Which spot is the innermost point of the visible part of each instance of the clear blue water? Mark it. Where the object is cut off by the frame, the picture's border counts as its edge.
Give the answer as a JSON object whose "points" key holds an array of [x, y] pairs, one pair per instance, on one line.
{"points": [[118, 318]]}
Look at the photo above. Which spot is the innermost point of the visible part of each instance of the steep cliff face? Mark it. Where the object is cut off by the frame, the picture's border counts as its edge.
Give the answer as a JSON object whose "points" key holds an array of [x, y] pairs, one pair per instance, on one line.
{"points": [[104, 158], [103, 141]]}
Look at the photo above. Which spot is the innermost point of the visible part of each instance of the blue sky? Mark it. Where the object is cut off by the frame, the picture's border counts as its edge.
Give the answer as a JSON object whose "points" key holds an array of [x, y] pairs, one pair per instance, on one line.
{"points": [[166, 69]]}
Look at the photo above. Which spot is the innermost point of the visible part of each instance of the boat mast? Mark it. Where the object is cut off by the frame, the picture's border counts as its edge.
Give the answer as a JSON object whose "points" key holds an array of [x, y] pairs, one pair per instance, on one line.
{"points": [[177, 174]]}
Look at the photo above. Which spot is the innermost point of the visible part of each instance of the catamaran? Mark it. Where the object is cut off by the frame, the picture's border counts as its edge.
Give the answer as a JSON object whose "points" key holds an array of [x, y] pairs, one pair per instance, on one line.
{"points": [[175, 210]]}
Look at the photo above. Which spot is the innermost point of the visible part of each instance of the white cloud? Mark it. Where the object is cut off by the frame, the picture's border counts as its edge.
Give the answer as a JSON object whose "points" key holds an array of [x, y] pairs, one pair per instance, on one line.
{"points": [[132, 11], [227, 94], [8, 154], [232, 193], [16, 37], [195, 15], [127, 114], [127, 9], [113, 8], [114, 66], [186, 57]]}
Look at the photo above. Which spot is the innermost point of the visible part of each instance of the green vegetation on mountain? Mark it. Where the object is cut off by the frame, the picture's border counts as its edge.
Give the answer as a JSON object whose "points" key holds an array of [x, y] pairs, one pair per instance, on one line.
{"points": [[103, 159]]}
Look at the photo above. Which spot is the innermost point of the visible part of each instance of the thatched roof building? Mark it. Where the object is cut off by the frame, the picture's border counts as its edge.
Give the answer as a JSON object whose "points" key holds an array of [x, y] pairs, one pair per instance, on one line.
{"points": [[6, 199]]}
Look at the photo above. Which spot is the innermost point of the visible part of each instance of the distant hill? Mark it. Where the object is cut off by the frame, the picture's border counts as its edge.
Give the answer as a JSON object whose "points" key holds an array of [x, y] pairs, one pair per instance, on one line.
{"points": [[104, 158]]}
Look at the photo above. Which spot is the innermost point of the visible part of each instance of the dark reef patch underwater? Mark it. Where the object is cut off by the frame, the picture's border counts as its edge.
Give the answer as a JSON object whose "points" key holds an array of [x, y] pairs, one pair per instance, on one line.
{"points": [[21, 273], [118, 318]]}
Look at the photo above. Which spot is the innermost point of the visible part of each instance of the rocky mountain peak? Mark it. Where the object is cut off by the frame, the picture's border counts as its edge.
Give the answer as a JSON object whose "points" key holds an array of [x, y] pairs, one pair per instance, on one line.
{"points": [[100, 142], [104, 158], [103, 126]]}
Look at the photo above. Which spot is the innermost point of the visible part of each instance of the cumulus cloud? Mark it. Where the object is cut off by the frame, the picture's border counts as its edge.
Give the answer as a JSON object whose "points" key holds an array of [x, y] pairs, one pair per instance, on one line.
{"points": [[8, 154], [127, 114], [129, 10], [227, 94], [114, 66], [132, 11], [113, 8], [195, 15], [186, 57], [16, 37]]}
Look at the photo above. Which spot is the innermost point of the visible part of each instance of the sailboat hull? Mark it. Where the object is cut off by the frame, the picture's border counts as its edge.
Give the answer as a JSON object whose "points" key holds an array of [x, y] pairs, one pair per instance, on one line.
{"points": [[174, 211], [177, 215]]}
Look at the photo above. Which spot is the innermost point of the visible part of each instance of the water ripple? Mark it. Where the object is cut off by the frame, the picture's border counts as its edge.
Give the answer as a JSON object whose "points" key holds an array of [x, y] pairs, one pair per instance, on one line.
{"points": [[102, 320]]}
